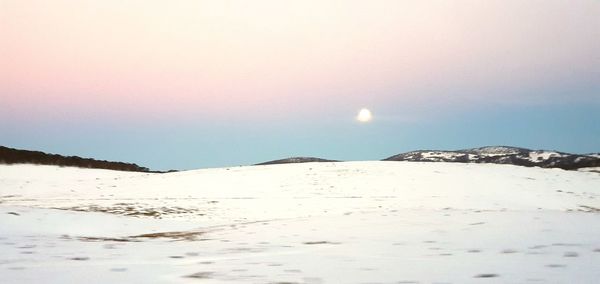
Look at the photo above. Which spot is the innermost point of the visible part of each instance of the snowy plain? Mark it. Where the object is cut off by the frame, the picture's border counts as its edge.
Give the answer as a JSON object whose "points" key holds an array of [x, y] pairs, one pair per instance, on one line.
{"points": [[334, 222]]}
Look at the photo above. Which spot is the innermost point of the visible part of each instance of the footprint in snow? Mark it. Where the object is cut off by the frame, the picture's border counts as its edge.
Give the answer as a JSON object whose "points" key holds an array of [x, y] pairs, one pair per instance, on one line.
{"points": [[200, 275], [556, 265], [205, 262], [486, 275], [320, 243]]}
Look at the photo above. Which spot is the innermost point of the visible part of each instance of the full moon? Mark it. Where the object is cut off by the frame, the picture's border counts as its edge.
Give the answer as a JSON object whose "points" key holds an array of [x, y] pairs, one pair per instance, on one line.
{"points": [[364, 115]]}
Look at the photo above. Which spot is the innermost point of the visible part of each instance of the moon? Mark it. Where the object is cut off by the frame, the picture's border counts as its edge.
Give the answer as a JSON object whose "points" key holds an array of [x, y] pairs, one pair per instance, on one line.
{"points": [[364, 115]]}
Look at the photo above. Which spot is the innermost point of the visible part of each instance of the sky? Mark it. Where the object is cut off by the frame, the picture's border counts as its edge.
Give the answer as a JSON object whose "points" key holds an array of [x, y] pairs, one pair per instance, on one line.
{"points": [[195, 84]]}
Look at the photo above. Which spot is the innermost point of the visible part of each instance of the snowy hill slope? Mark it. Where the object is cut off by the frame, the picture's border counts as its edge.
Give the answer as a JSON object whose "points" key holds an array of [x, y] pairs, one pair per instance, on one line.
{"points": [[504, 155], [351, 222]]}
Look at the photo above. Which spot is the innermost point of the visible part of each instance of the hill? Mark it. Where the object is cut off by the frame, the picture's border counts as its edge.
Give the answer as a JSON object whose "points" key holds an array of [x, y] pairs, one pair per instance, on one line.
{"points": [[17, 156], [296, 160], [504, 155]]}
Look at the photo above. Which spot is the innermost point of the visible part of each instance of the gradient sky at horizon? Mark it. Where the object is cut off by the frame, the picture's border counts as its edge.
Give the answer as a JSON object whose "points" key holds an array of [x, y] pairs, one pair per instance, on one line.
{"points": [[190, 84]]}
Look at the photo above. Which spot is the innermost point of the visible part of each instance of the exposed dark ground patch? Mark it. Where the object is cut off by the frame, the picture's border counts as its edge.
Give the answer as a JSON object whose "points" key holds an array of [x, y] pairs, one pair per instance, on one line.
{"points": [[101, 239], [177, 235], [132, 210], [586, 208]]}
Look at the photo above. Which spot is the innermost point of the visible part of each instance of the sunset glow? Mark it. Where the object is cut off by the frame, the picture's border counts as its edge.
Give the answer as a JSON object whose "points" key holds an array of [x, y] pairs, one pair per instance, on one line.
{"points": [[266, 63]]}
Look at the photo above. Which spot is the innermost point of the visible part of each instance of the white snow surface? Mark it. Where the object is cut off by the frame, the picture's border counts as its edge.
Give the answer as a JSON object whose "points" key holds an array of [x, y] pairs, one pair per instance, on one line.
{"points": [[440, 155], [540, 156], [350, 222], [590, 169], [495, 151]]}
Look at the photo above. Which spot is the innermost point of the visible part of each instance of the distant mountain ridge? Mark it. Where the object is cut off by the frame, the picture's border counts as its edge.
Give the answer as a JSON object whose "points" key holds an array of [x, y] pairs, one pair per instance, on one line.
{"points": [[17, 156], [295, 160], [504, 155], [489, 154]]}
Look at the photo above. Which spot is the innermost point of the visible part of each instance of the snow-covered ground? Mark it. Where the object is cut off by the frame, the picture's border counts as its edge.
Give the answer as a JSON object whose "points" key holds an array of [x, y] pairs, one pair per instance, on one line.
{"points": [[537, 156], [351, 222]]}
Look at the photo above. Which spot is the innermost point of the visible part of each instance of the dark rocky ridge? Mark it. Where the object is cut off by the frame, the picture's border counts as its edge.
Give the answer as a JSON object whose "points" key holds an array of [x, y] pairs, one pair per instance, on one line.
{"points": [[16, 156], [295, 160], [504, 155]]}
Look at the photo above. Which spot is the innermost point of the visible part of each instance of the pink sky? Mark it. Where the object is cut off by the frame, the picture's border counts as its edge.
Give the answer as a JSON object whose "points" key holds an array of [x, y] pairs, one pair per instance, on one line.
{"points": [[215, 58], [184, 84]]}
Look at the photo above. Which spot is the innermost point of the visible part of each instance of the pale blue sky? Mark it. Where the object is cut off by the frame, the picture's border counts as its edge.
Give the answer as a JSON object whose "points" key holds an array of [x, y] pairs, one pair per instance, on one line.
{"points": [[192, 144]]}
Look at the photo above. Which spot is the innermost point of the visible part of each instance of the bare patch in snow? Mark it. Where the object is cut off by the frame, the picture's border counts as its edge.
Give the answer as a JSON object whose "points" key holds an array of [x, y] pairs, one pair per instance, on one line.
{"points": [[133, 210]]}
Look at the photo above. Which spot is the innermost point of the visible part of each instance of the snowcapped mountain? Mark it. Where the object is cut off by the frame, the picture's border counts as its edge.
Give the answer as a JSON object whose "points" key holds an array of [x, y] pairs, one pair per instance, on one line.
{"points": [[504, 155]]}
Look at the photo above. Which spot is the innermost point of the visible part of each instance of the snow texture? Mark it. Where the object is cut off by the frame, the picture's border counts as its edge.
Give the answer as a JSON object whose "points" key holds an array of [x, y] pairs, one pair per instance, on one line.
{"points": [[351, 222]]}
